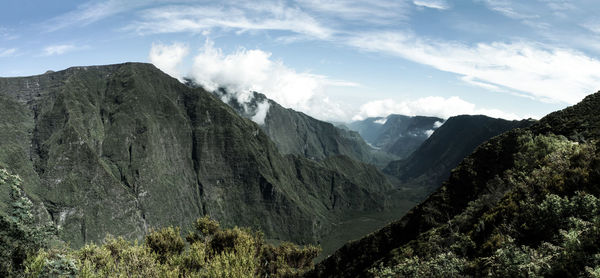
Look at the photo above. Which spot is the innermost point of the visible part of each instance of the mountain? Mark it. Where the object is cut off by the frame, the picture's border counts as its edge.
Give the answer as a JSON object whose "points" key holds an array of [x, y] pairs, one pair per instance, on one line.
{"points": [[396, 134], [525, 203], [430, 164], [122, 148], [294, 132]]}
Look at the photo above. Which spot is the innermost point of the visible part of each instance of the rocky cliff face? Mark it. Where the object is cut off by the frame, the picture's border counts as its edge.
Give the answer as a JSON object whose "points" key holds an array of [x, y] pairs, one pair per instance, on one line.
{"points": [[397, 134], [122, 148], [458, 137], [296, 133]]}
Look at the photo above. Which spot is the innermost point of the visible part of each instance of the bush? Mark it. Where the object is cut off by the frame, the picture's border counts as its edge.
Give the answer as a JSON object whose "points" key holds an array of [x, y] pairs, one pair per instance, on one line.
{"points": [[165, 242], [20, 236], [213, 252]]}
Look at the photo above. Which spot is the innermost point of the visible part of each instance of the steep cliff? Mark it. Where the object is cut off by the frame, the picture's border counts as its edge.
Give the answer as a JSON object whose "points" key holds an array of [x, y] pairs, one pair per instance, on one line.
{"points": [[122, 148]]}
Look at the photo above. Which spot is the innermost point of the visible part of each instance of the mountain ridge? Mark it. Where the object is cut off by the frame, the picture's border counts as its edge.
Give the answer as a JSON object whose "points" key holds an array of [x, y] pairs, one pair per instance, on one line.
{"points": [[482, 184], [123, 148]]}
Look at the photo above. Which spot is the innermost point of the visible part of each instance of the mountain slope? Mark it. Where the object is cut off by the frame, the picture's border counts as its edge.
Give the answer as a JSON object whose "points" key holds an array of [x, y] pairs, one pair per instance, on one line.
{"points": [[431, 163], [122, 148], [524, 203], [294, 132], [396, 134]]}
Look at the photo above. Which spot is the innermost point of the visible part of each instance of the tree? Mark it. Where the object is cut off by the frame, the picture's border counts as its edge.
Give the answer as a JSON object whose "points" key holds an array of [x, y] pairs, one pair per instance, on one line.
{"points": [[20, 236]]}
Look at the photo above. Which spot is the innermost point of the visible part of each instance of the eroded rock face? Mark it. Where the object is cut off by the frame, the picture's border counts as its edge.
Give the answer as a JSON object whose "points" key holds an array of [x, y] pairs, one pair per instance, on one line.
{"points": [[122, 148], [396, 134], [430, 164], [296, 133]]}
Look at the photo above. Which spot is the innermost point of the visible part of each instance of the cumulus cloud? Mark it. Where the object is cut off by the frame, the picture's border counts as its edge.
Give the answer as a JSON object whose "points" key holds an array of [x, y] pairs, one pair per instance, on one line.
{"points": [[427, 106], [534, 69], [432, 4], [60, 49], [245, 71], [168, 57]]}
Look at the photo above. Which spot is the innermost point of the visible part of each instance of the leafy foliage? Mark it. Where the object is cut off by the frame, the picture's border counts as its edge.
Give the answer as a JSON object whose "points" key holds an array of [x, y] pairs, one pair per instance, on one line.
{"points": [[211, 252], [20, 235], [540, 218]]}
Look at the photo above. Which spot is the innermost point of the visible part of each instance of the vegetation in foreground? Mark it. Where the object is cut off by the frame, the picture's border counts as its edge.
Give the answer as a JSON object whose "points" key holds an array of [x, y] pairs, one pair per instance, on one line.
{"points": [[545, 222], [27, 249]]}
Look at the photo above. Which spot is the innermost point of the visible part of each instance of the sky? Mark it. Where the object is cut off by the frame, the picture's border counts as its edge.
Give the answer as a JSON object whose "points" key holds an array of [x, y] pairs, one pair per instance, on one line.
{"points": [[334, 60]]}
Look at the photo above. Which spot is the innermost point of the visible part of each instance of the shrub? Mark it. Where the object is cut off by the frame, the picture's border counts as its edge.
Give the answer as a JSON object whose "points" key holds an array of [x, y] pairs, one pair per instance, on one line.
{"points": [[20, 235], [165, 242]]}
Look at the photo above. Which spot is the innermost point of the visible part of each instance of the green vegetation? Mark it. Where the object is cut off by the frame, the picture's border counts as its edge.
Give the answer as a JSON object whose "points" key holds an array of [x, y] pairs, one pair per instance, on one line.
{"points": [[210, 251], [538, 218], [120, 148], [217, 253], [20, 236], [530, 232], [430, 164], [523, 204], [296, 133]]}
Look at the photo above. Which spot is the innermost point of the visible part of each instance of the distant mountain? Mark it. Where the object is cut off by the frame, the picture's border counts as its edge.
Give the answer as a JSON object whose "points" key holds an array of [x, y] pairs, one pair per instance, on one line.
{"points": [[294, 132], [525, 203], [431, 163], [396, 134], [122, 148]]}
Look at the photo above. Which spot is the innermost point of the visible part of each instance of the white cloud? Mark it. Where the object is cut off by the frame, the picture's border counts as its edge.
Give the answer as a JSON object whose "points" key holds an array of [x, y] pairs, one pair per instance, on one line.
{"points": [[429, 132], [546, 73], [510, 9], [359, 11], [58, 49], [437, 124], [381, 121], [7, 52], [592, 26], [6, 34], [245, 71], [427, 106], [168, 58], [261, 112], [242, 17], [432, 4], [91, 12]]}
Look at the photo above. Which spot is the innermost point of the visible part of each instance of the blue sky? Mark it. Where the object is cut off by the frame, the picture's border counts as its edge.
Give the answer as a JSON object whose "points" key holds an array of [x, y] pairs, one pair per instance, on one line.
{"points": [[334, 60]]}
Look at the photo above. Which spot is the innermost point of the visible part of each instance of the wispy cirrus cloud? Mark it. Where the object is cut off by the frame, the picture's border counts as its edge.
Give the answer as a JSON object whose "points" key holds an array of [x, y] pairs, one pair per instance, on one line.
{"points": [[92, 11], [246, 17], [60, 49], [534, 69], [7, 35], [432, 4], [511, 9], [7, 52], [378, 12]]}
